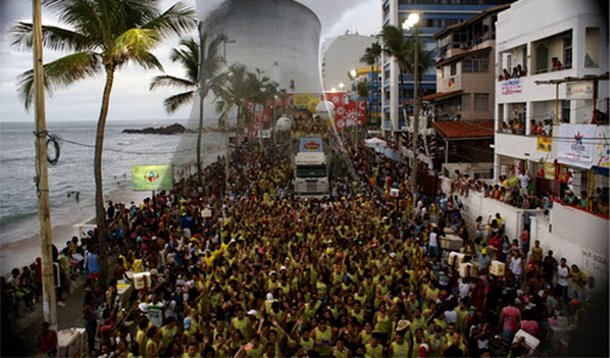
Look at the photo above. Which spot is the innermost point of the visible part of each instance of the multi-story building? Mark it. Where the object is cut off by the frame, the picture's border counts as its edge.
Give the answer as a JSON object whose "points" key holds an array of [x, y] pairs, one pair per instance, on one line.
{"points": [[552, 118], [342, 55], [368, 76], [435, 15], [461, 111], [279, 38]]}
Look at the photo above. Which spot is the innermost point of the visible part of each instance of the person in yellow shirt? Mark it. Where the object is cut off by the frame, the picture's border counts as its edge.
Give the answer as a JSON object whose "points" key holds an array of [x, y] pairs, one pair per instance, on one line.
{"points": [[169, 331], [399, 348], [340, 350], [374, 349], [191, 351], [323, 337]]}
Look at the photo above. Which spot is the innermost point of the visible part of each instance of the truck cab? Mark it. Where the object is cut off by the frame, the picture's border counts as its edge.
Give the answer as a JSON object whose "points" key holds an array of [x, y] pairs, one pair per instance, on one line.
{"points": [[311, 175]]}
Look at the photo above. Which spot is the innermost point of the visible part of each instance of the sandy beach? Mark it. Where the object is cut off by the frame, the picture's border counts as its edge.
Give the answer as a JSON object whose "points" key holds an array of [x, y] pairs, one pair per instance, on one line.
{"points": [[20, 252]]}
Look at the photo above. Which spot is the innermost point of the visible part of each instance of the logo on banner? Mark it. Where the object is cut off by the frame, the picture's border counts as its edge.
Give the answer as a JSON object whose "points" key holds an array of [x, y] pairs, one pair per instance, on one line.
{"points": [[311, 146], [577, 145], [544, 144], [152, 176]]}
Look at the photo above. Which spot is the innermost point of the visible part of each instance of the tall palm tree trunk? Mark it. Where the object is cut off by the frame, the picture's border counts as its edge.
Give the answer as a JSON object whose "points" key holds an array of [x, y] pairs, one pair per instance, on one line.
{"points": [[199, 135], [99, 186]]}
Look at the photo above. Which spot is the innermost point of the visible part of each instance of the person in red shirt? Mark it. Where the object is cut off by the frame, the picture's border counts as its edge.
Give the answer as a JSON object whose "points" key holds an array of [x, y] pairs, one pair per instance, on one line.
{"points": [[47, 341]]}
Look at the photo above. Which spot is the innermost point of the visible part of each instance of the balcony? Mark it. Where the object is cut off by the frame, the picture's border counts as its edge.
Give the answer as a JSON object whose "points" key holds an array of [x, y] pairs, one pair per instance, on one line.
{"points": [[519, 146]]}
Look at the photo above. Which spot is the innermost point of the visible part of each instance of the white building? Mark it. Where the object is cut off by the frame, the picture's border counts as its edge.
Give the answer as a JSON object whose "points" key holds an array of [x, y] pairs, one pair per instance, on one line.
{"points": [[341, 56], [548, 50]]}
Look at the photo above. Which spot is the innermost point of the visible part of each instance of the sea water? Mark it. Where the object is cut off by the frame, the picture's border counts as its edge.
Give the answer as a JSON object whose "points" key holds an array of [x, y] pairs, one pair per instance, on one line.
{"points": [[74, 170]]}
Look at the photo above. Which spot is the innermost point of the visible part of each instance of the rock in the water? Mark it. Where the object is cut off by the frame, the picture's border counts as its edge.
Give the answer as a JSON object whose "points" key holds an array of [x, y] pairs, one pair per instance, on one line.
{"points": [[175, 128]]}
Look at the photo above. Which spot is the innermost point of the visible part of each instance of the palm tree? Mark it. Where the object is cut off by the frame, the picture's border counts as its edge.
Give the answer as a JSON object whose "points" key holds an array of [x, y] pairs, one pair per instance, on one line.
{"points": [[403, 51], [189, 54], [236, 90], [102, 36], [372, 54]]}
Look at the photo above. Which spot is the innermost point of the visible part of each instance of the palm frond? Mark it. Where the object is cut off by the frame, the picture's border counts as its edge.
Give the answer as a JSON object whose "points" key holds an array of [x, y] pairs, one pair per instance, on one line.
{"points": [[53, 37], [134, 44], [174, 102], [82, 15], [61, 72], [187, 54], [177, 20], [171, 81]]}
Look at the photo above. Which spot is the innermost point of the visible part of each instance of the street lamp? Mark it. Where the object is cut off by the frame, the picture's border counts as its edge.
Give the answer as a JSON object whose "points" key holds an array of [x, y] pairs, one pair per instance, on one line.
{"points": [[411, 22], [353, 73], [341, 86]]}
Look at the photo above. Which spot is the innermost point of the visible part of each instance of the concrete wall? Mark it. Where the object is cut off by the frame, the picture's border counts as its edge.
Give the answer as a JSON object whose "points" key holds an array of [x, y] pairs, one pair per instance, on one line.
{"points": [[580, 237], [476, 204]]}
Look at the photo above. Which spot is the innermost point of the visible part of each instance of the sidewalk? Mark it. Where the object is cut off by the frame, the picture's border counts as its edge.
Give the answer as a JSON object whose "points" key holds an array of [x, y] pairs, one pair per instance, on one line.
{"points": [[22, 338]]}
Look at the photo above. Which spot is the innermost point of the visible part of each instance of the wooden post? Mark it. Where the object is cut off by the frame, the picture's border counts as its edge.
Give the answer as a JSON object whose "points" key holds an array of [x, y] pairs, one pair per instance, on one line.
{"points": [[557, 104], [49, 305]]}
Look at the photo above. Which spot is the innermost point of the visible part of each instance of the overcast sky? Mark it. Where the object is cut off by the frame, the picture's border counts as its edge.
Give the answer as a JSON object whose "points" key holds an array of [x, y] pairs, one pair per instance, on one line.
{"points": [[131, 99]]}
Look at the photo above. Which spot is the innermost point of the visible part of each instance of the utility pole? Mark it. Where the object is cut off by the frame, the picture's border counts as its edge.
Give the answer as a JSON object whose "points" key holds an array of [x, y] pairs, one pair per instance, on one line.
{"points": [[415, 117], [49, 305]]}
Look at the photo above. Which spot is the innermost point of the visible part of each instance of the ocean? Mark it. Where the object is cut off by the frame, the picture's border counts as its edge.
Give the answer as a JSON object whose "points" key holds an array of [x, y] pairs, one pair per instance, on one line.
{"points": [[74, 170]]}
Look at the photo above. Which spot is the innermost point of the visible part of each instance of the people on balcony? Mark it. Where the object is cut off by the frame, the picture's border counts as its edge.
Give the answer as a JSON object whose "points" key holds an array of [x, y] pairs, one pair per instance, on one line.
{"points": [[556, 64]]}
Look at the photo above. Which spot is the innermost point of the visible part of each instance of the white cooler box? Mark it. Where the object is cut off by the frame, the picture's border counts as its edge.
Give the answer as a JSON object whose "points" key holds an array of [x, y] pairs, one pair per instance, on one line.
{"points": [[468, 269], [138, 280], [455, 256], [497, 268], [451, 242], [530, 341], [72, 342]]}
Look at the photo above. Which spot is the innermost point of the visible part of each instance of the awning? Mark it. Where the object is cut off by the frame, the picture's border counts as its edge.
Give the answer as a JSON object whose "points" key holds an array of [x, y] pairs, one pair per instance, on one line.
{"points": [[460, 130], [376, 143], [441, 95]]}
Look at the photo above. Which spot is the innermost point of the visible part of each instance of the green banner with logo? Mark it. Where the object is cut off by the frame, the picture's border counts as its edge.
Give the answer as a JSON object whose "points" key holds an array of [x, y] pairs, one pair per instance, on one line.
{"points": [[152, 177]]}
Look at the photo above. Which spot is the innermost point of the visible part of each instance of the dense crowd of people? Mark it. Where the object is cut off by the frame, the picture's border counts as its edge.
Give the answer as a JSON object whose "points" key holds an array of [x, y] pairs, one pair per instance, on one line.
{"points": [[266, 274]]}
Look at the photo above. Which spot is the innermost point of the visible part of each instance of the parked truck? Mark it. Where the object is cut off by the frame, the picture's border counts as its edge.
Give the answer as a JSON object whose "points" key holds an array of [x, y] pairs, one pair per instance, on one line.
{"points": [[311, 169]]}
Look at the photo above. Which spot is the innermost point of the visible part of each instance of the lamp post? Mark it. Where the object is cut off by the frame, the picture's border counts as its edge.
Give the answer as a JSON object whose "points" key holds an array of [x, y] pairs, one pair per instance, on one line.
{"points": [[411, 22]]}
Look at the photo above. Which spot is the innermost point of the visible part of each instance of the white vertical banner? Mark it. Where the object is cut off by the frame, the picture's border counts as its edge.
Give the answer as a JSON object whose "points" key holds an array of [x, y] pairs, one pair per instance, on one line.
{"points": [[576, 143]]}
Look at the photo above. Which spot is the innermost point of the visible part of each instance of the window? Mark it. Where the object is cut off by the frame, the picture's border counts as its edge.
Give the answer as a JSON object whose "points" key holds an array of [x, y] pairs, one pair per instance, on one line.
{"points": [[565, 111], [592, 47], [453, 69], [478, 63], [465, 102], [481, 101], [567, 52]]}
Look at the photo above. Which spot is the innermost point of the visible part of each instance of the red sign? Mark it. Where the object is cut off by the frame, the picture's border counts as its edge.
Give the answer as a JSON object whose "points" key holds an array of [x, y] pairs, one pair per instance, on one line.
{"points": [[311, 146]]}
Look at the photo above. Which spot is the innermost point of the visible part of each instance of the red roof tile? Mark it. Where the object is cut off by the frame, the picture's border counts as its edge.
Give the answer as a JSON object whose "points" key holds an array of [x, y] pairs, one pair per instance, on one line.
{"points": [[465, 129]]}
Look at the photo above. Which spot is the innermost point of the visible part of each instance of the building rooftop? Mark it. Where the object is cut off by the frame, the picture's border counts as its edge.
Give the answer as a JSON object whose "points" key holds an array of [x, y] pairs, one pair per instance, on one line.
{"points": [[465, 129]]}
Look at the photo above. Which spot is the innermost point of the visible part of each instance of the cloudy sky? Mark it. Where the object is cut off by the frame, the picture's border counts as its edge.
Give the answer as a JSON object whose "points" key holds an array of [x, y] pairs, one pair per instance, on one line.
{"points": [[131, 99]]}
